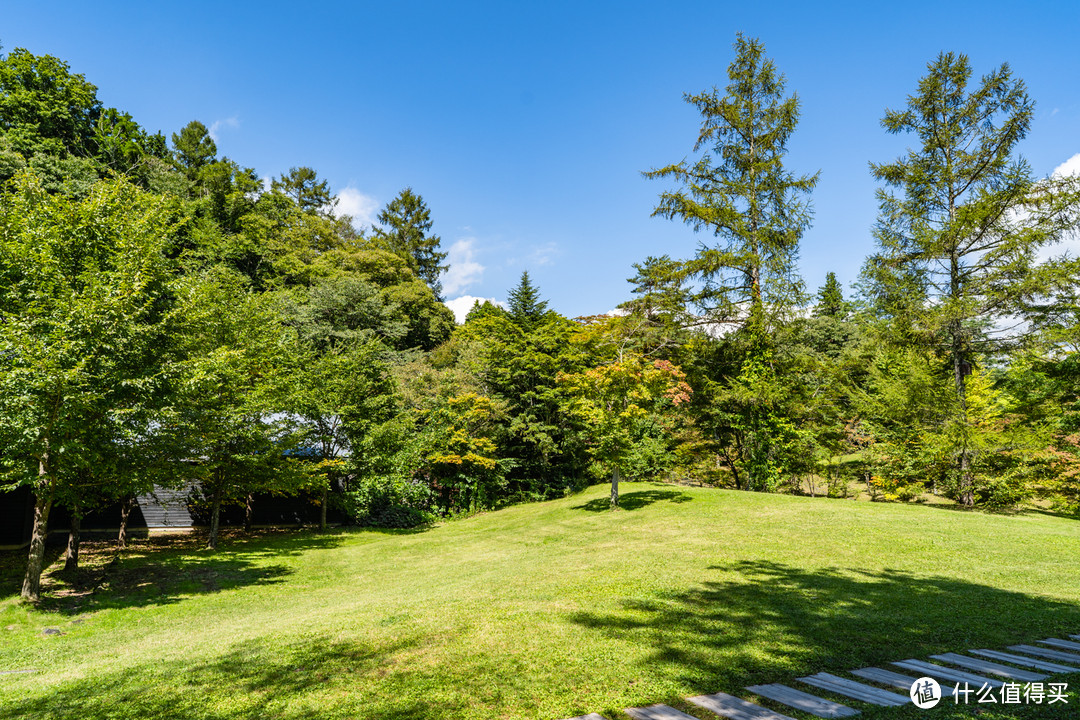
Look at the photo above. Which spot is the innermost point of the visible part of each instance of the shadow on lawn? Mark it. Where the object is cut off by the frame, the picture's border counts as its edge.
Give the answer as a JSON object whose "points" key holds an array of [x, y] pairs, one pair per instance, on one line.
{"points": [[162, 570], [636, 500], [251, 679], [760, 622]]}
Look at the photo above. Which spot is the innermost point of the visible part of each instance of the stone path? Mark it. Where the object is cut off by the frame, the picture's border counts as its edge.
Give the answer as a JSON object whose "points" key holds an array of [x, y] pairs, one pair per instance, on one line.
{"points": [[1036, 663]]}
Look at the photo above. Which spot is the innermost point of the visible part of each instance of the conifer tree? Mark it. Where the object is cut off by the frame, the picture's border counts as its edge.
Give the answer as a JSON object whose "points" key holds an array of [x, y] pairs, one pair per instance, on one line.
{"points": [[830, 299], [740, 193], [959, 242], [406, 231], [755, 211], [525, 306]]}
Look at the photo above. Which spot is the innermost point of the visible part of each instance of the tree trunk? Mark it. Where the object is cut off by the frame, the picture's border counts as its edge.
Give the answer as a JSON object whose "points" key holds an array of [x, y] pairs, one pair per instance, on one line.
{"points": [[215, 516], [322, 508], [125, 512], [31, 588], [967, 477], [615, 488], [71, 559], [249, 510]]}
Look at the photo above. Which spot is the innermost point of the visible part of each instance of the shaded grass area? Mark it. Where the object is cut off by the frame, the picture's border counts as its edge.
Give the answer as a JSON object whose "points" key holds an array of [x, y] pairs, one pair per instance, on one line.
{"points": [[542, 611]]}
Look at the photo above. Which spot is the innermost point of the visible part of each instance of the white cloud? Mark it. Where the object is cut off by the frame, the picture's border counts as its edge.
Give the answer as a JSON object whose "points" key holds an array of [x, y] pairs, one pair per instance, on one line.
{"points": [[544, 254], [463, 269], [362, 208], [215, 127], [462, 305], [1069, 167]]}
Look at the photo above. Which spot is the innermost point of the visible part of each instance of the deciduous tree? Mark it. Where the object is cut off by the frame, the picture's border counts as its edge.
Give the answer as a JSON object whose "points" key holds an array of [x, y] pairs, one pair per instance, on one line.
{"points": [[82, 299]]}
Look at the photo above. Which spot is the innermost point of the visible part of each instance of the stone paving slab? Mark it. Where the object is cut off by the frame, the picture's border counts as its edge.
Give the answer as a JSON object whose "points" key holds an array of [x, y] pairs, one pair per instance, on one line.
{"points": [[803, 701], [658, 712], [992, 668], [1063, 644], [1046, 653], [1026, 661], [939, 673], [735, 708], [855, 690]]}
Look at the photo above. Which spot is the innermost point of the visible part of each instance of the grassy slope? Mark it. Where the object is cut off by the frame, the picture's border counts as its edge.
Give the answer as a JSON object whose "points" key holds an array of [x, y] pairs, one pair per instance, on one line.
{"points": [[540, 611]]}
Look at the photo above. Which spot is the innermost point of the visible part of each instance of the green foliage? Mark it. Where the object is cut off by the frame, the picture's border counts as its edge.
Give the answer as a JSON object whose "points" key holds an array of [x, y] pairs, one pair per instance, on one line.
{"points": [[740, 193], [959, 246], [405, 230], [83, 299], [830, 299], [45, 108], [232, 380], [524, 306], [306, 190], [625, 407], [194, 148]]}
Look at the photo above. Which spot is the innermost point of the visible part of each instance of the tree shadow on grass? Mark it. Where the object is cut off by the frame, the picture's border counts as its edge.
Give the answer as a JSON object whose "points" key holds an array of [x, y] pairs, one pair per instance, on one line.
{"points": [[636, 500], [760, 622], [250, 679], [162, 570]]}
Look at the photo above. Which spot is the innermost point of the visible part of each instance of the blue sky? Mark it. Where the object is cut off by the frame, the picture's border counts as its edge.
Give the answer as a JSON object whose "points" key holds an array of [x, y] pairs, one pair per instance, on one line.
{"points": [[525, 126]]}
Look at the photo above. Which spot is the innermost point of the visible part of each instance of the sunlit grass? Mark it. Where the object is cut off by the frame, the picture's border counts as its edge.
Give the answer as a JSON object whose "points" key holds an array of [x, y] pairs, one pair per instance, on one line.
{"points": [[539, 611]]}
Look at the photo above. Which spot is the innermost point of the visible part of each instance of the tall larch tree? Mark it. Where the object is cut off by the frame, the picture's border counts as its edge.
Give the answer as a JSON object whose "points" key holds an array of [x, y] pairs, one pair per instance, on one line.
{"points": [[961, 225], [754, 212]]}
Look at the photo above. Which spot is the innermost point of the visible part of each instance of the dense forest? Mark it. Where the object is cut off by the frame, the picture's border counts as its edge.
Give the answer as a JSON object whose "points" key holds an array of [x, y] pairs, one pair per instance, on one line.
{"points": [[166, 316]]}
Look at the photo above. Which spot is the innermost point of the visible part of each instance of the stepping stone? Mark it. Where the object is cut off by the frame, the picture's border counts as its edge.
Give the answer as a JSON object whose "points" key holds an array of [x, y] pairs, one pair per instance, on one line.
{"points": [[657, 712], [590, 716], [943, 673], [1061, 644], [886, 677], [1075, 637], [17, 672], [989, 667], [1026, 662], [1046, 653], [802, 701], [734, 708], [856, 690]]}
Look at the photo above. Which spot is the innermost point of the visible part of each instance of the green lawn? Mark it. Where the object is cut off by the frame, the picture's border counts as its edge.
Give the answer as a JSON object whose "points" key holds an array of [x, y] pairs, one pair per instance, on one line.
{"points": [[538, 611]]}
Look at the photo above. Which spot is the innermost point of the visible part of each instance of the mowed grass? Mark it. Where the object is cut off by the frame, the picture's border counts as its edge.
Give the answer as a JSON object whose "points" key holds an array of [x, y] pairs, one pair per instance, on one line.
{"points": [[540, 611]]}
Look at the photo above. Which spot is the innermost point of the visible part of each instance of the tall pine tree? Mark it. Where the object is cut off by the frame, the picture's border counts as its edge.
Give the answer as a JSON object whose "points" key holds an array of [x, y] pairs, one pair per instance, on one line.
{"points": [[405, 230]]}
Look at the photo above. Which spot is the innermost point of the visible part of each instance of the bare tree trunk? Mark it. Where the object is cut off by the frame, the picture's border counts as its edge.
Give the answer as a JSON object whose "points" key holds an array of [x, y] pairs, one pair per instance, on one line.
{"points": [[71, 559], [31, 588], [615, 488], [215, 517], [125, 512], [322, 508], [249, 511], [967, 477]]}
